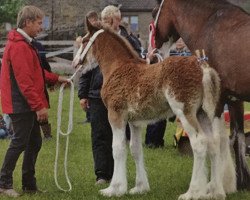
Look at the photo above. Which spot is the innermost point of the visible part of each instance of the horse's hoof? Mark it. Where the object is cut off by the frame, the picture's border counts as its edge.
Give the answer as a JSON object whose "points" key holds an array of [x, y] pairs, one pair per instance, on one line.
{"points": [[230, 188], [193, 196], [113, 191], [139, 190], [215, 196], [215, 192], [185, 196]]}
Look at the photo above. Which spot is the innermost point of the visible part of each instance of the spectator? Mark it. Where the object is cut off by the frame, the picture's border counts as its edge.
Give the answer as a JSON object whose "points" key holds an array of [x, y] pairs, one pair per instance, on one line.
{"points": [[180, 49], [89, 94], [92, 16], [24, 97]]}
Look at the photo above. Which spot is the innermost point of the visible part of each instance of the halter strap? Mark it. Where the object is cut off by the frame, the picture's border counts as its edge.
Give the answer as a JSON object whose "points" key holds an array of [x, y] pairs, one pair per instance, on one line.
{"points": [[89, 44], [158, 13], [152, 30], [85, 51]]}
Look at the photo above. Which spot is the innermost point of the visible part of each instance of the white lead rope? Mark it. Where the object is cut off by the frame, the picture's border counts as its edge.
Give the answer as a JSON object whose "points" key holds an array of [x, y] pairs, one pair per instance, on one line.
{"points": [[60, 132], [70, 119]]}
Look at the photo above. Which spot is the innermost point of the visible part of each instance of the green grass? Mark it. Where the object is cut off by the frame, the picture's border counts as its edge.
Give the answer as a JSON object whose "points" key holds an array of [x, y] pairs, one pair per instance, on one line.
{"points": [[169, 172]]}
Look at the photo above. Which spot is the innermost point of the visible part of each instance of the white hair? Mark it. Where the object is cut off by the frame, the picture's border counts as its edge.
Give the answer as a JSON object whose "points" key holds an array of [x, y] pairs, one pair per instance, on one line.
{"points": [[110, 12]]}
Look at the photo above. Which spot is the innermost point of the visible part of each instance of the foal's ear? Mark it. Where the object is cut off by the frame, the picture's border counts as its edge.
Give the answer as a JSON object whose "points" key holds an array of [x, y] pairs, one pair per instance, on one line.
{"points": [[91, 28]]}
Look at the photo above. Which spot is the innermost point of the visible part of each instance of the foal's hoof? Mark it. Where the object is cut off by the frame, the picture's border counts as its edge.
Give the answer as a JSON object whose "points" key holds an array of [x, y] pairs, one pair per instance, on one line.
{"points": [[139, 190], [216, 196], [184, 197], [192, 196], [215, 192], [113, 191]]}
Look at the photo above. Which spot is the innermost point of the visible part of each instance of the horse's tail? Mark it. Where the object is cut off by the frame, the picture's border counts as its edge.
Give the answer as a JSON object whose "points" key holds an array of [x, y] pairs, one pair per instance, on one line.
{"points": [[211, 90]]}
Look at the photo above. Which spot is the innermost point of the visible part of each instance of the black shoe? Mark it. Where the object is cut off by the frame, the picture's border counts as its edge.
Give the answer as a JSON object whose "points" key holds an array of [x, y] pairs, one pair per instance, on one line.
{"points": [[33, 191]]}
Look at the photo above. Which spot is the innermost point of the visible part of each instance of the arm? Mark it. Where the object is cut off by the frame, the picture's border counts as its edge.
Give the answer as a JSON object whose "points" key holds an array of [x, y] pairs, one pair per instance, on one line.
{"points": [[83, 89]]}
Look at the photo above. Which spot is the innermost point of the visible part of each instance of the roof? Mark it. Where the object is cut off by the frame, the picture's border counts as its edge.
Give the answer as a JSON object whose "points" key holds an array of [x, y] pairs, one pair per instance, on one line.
{"points": [[137, 5]]}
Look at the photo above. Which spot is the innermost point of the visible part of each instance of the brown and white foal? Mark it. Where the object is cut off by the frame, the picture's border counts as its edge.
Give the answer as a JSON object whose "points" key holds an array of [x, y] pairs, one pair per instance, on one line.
{"points": [[139, 93]]}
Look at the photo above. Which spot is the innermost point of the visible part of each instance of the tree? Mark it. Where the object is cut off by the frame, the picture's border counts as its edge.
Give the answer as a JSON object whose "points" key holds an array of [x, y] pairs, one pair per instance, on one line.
{"points": [[9, 10]]}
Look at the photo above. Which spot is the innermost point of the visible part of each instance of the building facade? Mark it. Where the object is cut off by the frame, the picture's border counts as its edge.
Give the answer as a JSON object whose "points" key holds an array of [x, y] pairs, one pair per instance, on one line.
{"points": [[66, 19]]}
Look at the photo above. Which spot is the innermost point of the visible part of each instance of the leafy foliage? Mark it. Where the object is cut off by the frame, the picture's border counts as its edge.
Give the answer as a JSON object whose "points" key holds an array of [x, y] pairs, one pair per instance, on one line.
{"points": [[9, 10]]}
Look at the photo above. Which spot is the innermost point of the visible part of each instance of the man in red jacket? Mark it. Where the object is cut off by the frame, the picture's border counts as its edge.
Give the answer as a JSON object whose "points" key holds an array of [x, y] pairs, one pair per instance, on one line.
{"points": [[24, 98]]}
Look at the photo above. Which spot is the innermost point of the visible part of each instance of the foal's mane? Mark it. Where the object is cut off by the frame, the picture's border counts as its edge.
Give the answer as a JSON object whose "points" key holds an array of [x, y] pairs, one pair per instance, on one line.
{"points": [[123, 43]]}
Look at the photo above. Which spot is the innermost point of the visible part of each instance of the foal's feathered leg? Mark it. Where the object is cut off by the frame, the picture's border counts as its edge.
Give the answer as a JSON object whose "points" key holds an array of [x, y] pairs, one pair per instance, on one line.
{"points": [[215, 188], [227, 164], [118, 185], [198, 140], [141, 184]]}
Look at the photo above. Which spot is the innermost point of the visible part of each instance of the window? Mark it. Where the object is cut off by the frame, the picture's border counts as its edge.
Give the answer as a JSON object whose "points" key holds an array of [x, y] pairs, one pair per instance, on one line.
{"points": [[46, 23], [132, 23]]}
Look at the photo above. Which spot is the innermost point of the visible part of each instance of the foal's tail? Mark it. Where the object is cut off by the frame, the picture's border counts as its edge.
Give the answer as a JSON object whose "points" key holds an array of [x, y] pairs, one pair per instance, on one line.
{"points": [[211, 90]]}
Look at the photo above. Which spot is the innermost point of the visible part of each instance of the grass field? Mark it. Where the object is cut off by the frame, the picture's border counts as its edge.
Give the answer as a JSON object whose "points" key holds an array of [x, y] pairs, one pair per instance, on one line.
{"points": [[169, 172]]}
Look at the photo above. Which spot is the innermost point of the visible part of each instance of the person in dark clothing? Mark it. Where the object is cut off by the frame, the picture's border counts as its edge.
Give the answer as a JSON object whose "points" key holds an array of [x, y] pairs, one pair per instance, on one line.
{"points": [[90, 85], [101, 134], [155, 134], [24, 98]]}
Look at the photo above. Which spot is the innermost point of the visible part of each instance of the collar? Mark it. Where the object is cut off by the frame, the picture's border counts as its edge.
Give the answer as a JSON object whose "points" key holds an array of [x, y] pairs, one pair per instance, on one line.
{"points": [[25, 35]]}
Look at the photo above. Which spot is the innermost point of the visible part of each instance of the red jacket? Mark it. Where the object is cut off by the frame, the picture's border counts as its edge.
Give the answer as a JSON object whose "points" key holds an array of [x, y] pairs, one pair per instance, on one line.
{"points": [[22, 77]]}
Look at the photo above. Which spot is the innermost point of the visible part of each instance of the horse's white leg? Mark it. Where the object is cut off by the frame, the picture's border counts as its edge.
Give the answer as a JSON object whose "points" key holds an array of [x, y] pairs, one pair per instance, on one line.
{"points": [[198, 141], [141, 184], [118, 185], [227, 164], [215, 187]]}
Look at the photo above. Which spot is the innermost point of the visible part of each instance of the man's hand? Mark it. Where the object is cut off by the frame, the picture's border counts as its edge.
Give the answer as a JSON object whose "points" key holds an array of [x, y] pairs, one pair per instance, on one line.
{"points": [[42, 115], [84, 104], [150, 56], [63, 79]]}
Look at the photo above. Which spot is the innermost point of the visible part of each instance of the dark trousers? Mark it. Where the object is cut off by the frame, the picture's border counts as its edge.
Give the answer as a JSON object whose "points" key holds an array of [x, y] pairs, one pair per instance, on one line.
{"points": [[155, 134], [27, 138], [101, 140]]}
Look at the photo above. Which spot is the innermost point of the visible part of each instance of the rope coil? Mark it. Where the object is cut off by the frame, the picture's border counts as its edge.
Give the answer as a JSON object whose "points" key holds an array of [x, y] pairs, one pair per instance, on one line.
{"points": [[70, 121], [60, 132]]}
